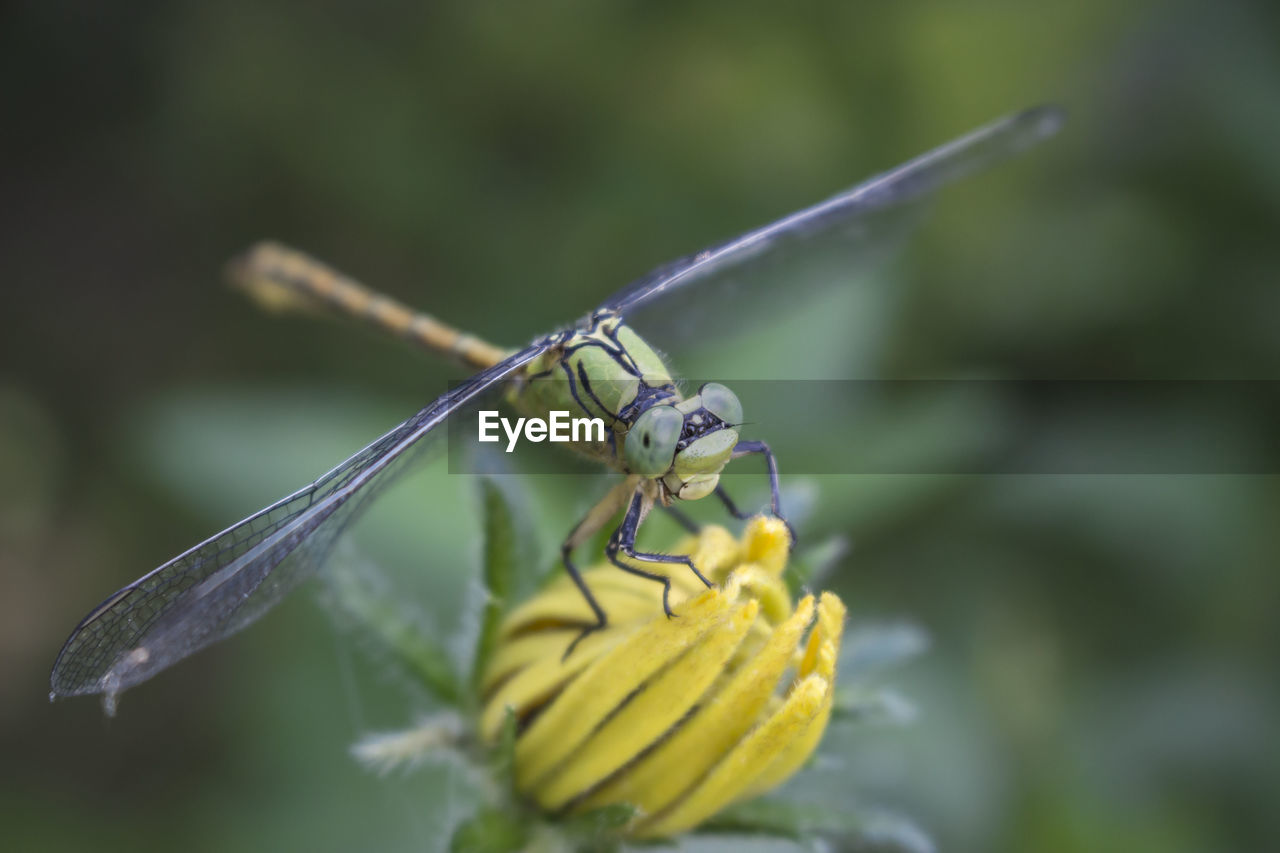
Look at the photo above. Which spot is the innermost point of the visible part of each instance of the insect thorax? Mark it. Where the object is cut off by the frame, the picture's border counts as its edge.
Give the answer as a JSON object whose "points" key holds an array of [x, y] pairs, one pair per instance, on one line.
{"points": [[603, 370]]}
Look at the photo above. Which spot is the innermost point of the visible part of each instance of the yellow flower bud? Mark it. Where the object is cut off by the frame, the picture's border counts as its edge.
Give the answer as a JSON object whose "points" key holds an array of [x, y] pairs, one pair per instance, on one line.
{"points": [[676, 717]]}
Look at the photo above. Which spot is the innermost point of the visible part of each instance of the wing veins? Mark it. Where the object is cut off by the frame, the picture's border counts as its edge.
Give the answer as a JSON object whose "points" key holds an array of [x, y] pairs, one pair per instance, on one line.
{"points": [[917, 177], [128, 620]]}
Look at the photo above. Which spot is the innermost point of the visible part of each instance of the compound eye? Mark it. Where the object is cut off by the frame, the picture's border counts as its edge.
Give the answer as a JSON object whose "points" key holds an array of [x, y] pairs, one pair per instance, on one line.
{"points": [[651, 442], [721, 402]]}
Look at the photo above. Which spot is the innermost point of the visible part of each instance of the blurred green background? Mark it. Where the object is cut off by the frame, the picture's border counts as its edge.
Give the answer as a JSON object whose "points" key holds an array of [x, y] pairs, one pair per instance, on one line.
{"points": [[1103, 674]]}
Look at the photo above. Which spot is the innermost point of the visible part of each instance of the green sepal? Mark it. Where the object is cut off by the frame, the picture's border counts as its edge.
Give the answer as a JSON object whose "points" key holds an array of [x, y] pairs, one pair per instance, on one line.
{"points": [[501, 557], [361, 597], [491, 831], [810, 566], [871, 649], [855, 828], [598, 830], [502, 755], [768, 817], [882, 706]]}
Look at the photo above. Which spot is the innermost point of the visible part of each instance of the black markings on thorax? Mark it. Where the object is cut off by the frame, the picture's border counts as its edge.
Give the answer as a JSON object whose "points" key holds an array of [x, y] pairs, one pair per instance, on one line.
{"points": [[646, 397], [600, 336]]}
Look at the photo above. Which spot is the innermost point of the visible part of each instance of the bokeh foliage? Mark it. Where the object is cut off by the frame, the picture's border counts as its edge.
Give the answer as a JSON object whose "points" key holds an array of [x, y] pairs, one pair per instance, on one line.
{"points": [[1101, 675]]}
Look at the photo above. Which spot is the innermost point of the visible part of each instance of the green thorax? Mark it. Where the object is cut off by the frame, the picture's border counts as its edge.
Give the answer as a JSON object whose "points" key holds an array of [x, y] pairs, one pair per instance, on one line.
{"points": [[603, 371]]}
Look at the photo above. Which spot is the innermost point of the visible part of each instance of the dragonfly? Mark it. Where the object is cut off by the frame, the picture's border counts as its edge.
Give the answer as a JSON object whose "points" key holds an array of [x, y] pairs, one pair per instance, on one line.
{"points": [[669, 448]]}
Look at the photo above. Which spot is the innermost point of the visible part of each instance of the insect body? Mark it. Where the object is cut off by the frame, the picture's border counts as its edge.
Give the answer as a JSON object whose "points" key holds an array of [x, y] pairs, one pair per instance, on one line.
{"points": [[608, 371], [669, 448], [603, 371]]}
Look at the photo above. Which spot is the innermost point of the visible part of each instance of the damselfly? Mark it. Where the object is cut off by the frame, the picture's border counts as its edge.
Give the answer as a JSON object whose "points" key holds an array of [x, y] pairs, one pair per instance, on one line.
{"points": [[668, 447]]}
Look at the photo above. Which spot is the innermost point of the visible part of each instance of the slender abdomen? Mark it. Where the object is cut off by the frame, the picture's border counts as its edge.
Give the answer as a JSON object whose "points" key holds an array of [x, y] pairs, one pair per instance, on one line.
{"points": [[284, 279]]}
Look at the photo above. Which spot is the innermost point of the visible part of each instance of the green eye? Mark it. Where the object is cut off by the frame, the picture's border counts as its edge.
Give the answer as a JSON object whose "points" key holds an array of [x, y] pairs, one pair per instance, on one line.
{"points": [[721, 402], [651, 443]]}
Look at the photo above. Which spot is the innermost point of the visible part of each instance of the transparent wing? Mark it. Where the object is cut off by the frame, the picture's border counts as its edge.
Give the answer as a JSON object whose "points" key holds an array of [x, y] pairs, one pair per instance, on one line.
{"points": [[228, 581], [862, 220]]}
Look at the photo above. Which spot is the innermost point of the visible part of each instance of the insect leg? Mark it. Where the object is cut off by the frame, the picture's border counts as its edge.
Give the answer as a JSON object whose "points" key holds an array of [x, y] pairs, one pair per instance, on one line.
{"points": [[730, 506], [682, 518], [624, 540], [744, 448], [585, 529]]}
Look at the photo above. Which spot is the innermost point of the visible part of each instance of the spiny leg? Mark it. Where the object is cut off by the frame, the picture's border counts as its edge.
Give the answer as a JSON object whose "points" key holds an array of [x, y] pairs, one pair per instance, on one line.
{"points": [[624, 540], [682, 518], [744, 448], [585, 529], [743, 515], [566, 551], [730, 506]]}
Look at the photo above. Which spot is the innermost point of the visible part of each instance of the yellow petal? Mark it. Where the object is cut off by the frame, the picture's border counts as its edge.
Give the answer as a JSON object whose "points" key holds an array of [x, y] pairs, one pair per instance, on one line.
{"points": [[658, 706], [740, 767], [533, 686], [625, 597], [576, 713], [678, 717], [513, 656], [561, 603], [767, 542], [770, 589], [824, 646], [715, 552], [830, 628], [681, 760]]}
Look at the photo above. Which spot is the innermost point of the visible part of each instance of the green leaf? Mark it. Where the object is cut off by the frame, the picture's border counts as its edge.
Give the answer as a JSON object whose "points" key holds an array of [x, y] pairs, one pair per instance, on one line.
{"points": [[363, 600], [776, 818], [883, 706], [490, 831], [860, 828], [598, 829], [503, 754], [870, 649], [811, 565], [501, 557]]}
